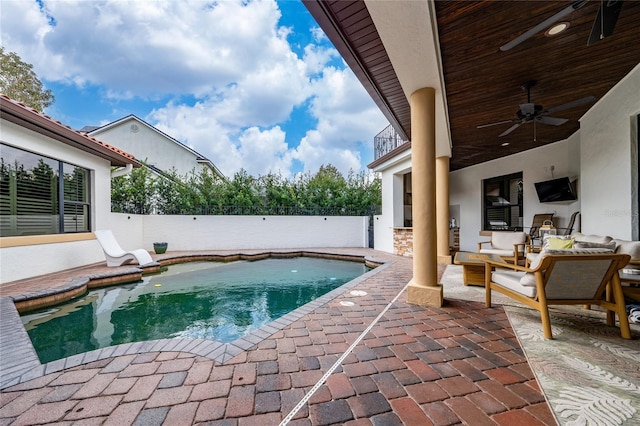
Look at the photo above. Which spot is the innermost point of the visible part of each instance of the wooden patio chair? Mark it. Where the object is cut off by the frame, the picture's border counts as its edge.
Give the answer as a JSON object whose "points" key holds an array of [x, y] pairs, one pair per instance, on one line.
{"points": [[572, 221], [563, 279], [507, 244]]}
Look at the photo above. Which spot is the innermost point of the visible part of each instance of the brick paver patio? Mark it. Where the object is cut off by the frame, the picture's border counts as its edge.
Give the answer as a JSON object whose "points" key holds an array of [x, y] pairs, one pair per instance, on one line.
{"points": [[371, 363]]}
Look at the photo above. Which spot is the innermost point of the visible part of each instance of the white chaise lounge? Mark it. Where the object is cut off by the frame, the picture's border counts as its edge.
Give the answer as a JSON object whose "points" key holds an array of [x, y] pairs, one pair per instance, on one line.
{"points": [[115, 255]]}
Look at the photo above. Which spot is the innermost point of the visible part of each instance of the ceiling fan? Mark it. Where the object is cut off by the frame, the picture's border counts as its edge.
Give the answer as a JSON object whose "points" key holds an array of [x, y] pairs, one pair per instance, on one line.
{"points": [[602, 26], [532, 113]]}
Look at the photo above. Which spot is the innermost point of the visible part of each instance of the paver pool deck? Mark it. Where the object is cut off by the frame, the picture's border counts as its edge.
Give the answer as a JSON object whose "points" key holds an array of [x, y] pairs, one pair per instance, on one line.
{"points": [[375, 361]]}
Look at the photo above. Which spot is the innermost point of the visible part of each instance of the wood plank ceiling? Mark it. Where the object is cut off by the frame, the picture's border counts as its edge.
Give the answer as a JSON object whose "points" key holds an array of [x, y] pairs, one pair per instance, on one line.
{"points": [[483, 84]]}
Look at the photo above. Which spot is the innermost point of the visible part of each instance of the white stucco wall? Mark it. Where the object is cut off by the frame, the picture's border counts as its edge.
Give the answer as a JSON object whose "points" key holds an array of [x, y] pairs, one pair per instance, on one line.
{"points": [[466, 190], [185, 233], [608, 140], [254, 232], [535, 165], [392, 214], [148, 144]]}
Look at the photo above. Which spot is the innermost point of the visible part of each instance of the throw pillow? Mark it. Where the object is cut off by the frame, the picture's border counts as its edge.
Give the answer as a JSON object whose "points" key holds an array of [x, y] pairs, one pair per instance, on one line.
{"points": [[559, 243], [529, 278], [578, 236], [587, 244], [575, 250]]}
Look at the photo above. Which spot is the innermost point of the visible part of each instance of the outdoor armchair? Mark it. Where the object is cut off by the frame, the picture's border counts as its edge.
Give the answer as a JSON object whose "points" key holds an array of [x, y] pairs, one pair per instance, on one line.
{"points": [[508, 245], [563, 279]]}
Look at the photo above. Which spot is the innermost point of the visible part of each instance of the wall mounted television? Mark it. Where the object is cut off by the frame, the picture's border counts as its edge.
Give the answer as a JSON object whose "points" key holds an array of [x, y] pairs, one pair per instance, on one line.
{"points": [[561, 189]]}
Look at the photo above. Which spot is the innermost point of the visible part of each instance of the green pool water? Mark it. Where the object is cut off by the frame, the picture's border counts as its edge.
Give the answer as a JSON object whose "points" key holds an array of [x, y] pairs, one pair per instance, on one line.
{"points": [[200, 300]]}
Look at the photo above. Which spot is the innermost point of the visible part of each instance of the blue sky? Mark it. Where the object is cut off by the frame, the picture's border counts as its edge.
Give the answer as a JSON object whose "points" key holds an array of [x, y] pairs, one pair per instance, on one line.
{"points": [[248, 84]]}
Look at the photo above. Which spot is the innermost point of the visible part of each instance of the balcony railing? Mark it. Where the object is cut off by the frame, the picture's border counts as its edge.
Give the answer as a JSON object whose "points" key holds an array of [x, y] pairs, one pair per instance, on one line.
{"points": [[386, 141]]}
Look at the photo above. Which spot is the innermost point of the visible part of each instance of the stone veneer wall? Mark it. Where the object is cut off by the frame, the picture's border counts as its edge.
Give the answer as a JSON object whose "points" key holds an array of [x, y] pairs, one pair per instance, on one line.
{"points": [[403, 241]]}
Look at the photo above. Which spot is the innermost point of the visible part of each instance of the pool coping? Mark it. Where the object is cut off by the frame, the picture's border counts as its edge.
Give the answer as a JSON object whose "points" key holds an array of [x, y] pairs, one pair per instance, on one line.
{"points": [[19, 361]]}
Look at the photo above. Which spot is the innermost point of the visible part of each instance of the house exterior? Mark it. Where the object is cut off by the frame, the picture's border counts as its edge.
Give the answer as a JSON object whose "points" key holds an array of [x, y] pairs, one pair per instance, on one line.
{"points": [[152, 147], [608, 136], [439, 73], [39, 233]]}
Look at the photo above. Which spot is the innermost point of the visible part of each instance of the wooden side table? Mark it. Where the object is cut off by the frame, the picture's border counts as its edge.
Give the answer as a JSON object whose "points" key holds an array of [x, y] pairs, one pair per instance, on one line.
{"points": [[473, 266]]}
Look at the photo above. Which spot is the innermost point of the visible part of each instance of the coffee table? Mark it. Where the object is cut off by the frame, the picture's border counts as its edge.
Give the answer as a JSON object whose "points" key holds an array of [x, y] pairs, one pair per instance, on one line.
{"points": [[473, 266], [630, 283]]}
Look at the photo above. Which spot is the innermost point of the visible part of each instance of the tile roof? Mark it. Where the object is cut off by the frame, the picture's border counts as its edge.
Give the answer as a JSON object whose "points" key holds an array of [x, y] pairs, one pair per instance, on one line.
{"points": [[39, 122]]}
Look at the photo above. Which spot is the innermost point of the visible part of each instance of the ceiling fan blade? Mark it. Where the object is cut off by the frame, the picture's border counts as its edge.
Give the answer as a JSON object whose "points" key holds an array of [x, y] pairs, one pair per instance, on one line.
{"points": [[569, 105], [511, 129], [493, 124], [554, 121], [605, 21], [543, 25]]}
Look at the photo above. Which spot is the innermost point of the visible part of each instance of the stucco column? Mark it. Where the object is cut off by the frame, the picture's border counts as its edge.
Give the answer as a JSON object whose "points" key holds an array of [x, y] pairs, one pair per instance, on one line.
{"points": [[423, 287], [442, 209]]}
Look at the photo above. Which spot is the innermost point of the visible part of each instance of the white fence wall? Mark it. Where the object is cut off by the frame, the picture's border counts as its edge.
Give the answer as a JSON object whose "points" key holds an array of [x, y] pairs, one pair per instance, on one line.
{"points": [[21, 262], [189, 233]]}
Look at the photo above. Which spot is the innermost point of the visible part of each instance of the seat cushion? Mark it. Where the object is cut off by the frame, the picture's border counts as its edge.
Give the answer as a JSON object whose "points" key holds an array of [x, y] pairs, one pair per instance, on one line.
{"points": [[497, 252], [512, 281], [579, 236], [531, 257], [506, 240], [632, 248]]}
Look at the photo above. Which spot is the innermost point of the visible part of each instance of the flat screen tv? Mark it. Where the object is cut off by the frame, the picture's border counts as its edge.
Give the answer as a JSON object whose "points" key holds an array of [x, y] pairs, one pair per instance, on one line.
{"points": [[560, 189]]}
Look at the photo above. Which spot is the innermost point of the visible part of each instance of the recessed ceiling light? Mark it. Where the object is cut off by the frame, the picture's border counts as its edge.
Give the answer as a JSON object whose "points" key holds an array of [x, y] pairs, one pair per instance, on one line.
{"points": [[505, 144], [556, 29]]}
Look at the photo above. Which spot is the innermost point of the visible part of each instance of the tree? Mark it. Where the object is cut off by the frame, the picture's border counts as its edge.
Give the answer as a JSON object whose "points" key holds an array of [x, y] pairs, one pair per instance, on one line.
{"points": [[327, 188], [19, 82], [133, 193], [205, 193]]}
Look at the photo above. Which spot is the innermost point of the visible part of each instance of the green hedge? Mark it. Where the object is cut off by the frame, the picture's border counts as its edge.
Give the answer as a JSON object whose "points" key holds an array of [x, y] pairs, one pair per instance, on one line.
{"points": [[327, 192]]}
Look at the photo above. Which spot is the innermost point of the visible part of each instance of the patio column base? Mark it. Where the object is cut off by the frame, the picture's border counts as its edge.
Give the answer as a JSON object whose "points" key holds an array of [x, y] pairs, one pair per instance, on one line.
{"points": [[444, 259], [425, 295]]}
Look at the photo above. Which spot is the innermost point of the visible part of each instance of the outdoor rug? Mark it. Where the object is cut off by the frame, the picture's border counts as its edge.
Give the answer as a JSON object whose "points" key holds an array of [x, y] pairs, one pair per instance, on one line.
{"points": [[588, 373]]}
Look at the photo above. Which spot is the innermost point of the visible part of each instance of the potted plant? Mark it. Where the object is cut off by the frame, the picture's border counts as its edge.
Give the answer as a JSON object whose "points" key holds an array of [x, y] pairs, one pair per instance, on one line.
{"points": [[160, 248]]}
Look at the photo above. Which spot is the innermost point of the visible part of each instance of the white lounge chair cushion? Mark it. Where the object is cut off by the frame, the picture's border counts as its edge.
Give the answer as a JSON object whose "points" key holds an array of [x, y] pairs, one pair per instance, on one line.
{"points": [[512, 281], [497, 252], [531, 257], [506, 240]]}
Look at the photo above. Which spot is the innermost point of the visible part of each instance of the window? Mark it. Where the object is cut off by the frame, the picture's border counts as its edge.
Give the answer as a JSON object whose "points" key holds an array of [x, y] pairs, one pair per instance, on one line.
{"points": [[502, 203], [406, 196], [30, 194]]}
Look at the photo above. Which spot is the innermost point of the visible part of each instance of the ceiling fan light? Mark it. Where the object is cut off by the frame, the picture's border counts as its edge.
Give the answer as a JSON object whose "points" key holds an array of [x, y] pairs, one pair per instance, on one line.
{"points": [[557, 29]]}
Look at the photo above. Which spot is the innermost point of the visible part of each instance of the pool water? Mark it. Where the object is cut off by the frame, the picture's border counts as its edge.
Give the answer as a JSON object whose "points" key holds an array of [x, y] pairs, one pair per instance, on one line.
{"points": [[199, 300]]}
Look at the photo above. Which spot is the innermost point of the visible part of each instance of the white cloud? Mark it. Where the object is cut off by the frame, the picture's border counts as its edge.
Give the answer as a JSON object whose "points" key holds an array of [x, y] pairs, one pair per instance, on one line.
{"points": [[229, 61], [347, 123], [147, 46]]}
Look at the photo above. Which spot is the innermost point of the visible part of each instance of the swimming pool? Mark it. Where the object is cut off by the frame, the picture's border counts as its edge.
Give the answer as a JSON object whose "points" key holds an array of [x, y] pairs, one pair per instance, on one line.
{"points": [[200, 300]]}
